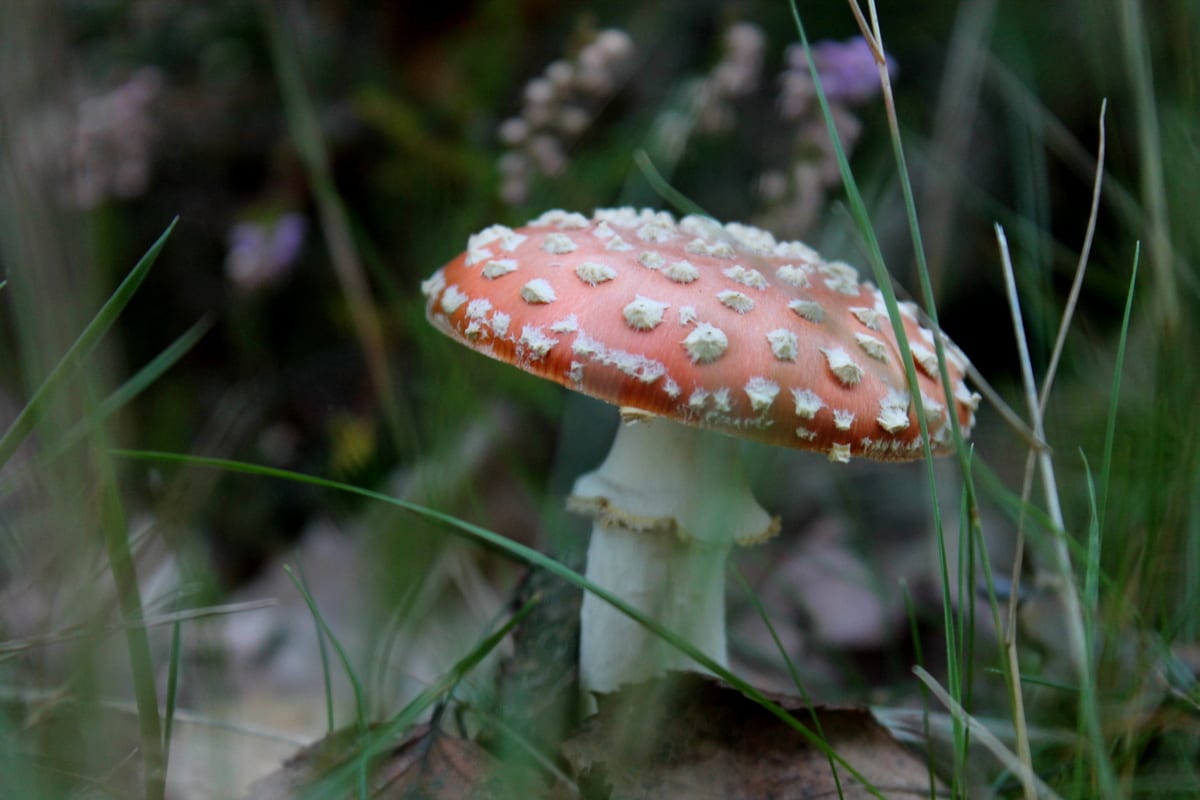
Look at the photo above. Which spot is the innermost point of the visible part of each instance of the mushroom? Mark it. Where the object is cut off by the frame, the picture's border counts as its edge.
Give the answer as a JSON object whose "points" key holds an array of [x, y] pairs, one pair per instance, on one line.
{"points": [[700, 333]]}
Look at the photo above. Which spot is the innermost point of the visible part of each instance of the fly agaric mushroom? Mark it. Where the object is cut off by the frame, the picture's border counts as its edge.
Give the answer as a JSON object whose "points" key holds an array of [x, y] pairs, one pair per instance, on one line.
{"points": [[690, 327]]}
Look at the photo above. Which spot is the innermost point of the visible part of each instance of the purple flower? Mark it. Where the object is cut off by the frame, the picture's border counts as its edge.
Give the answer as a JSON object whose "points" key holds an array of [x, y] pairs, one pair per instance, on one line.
{"points": [[262, 253], [848, 71]]}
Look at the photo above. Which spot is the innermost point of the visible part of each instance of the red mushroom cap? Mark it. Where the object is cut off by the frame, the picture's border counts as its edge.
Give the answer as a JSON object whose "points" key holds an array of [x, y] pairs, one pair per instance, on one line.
{"points": [[717, 326]]}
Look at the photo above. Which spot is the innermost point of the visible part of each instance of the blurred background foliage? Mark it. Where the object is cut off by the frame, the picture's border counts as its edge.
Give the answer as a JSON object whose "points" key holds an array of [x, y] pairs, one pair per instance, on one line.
{"points": [[117, 115]]}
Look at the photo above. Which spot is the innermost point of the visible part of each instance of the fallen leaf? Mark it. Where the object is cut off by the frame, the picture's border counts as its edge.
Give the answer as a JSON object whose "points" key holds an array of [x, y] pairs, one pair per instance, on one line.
{"points": [[692, 736], [427, 764]]}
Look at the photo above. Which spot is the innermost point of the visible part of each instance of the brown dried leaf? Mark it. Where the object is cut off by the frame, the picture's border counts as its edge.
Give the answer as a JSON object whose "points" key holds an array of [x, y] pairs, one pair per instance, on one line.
{"points": [[692, 736], [426, 764]]}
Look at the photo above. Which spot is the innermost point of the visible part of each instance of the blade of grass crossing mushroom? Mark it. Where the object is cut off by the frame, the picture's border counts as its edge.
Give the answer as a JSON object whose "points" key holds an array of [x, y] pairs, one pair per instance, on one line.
{"points": [[858, 209], [663, 187], [874, 38], [873, 34], [526, 555], [80, 348], [874, 252]]}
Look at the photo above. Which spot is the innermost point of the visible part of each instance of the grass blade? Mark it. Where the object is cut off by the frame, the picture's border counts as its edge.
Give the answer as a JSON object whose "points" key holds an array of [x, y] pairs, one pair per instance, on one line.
{"points": [[1085, 250], [324, 633], [958, 686], [663, 187], [141, 380], [794, 673], [172, 690], [1110, 429], [78, 350], [115, 528], [11, 647]]}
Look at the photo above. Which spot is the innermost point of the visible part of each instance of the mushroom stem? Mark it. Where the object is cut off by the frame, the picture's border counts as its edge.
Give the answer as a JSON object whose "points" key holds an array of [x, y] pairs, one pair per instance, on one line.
{"points": [[668, 502]]}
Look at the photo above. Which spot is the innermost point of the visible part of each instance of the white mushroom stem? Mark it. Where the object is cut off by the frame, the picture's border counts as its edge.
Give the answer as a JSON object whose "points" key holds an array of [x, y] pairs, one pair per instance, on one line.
{"points": [[668, 502]]}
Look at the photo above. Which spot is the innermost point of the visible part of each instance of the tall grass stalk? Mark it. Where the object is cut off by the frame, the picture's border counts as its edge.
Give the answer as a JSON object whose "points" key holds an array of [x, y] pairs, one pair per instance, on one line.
{"points": [[1136, 49], [1110, 424], [1085, 250], [1073, 618], [1012, 658], [115, 527]]}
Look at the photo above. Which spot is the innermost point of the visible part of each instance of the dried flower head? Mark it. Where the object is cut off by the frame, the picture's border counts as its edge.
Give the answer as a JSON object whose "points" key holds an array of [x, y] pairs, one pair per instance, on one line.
{"points": [[557, 108], [849, 76], [111, 144]]}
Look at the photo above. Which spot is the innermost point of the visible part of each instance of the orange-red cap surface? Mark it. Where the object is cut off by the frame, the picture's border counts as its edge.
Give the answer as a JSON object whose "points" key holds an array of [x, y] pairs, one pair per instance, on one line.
{"points": [[716, 326]]}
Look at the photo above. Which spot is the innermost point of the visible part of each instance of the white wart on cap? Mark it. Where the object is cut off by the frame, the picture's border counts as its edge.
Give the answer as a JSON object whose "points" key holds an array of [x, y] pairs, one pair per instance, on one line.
{"points": [[721, 327]]}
